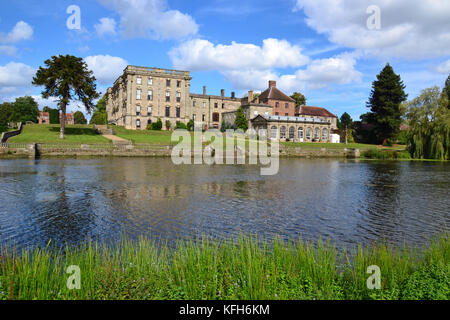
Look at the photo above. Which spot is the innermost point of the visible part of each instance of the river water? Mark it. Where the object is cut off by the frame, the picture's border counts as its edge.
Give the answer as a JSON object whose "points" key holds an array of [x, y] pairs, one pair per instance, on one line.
{"points": [[347, 201]]}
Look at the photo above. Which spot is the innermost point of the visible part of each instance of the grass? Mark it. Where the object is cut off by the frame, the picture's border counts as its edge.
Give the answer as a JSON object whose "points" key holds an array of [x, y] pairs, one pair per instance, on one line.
{"points": [[244, 268], [144, 136], [386, 154], [77, 134]]}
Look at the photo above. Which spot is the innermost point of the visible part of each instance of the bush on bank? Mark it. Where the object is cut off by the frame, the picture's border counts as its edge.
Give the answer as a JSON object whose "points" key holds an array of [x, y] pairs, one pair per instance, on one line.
{"points": [[233, 269]]}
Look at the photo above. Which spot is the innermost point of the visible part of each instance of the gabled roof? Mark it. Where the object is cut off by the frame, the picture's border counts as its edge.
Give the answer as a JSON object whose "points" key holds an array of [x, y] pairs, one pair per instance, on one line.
{"points": [[274, 94], [314, 111]]}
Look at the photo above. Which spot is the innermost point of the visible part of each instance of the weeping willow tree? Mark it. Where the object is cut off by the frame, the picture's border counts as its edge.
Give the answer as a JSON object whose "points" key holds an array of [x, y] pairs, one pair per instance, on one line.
{"points": [[429, 125]]}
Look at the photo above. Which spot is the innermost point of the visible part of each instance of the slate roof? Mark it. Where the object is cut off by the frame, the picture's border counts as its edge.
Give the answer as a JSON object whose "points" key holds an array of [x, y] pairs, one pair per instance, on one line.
{"points": [[274, 94], [314, 111]]}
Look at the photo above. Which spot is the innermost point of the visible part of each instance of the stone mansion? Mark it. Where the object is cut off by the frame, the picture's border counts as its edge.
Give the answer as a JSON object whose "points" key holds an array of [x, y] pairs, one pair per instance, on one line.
{"points": [[141, 96]]}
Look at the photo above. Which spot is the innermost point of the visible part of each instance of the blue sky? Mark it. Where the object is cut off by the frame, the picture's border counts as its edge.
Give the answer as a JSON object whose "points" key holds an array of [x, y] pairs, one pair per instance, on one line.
{"points": [[322, 48]]}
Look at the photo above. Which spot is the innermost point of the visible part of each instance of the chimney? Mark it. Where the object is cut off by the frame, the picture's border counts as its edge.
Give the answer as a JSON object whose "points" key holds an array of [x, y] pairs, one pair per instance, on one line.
{"points": [[250, 96], [222, 93], [272, 83], [233, 95], [204, 90]]}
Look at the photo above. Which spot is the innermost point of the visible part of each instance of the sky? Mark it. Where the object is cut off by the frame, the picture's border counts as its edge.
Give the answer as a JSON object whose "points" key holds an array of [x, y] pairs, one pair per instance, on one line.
{"points": [[329, 50]]}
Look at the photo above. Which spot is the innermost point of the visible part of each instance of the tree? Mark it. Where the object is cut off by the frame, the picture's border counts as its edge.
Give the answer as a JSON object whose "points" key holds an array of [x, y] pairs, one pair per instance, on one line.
{"points": [[241, 121], [384, 102], [429, 125], [157, 125], [53, 114], [5, 113], [346, 122], [78, 118], [168, 124], [447, 90], [24, 109], [100, 115], [67, 78], [190, 125], [300, 99]]}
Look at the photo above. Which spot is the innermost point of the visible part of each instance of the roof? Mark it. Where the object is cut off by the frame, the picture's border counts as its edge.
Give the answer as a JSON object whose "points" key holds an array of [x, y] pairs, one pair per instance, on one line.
{"points": [[291, 119], [315, 111], [274, 94]]}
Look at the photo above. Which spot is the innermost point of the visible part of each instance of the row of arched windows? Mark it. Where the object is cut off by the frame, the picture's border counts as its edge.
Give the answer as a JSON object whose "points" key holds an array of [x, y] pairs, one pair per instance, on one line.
{"points": [[309, 134]]}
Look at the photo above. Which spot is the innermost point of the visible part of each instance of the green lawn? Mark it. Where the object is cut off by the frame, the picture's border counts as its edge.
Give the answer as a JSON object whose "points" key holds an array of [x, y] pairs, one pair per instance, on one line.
{"points": [[77, 134], [144, 136]]}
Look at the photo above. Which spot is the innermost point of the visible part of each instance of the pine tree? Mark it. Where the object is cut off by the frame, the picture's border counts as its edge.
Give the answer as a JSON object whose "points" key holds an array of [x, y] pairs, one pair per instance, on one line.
{"points": [[241, 121], [384, 102]]}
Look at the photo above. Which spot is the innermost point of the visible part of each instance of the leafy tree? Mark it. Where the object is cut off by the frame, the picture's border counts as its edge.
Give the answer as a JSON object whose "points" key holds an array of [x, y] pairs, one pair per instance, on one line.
{"points": [[24, 109], [157, 125], [346, 123], [67, 78], [53, 114], [447, 90], [190, 125], [384, 102], [429, 125], [100, 115], [78, 118], [241, 121], [300, 99], [5, 113]]}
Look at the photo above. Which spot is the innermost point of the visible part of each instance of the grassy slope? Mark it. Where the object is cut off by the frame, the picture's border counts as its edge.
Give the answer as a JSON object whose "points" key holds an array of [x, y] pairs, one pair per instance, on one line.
{"points": [[144, 136], [79, 134], [239, 269]]}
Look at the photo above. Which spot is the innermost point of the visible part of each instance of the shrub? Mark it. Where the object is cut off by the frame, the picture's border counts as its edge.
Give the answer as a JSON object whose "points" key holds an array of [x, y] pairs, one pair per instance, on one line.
{"points": [[3, 129], [168, 124], [157, 125], [190, 125], [180, 125]]}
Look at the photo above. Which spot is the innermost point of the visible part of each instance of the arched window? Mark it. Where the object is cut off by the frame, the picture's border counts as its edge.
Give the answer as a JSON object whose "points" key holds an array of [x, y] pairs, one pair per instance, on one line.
{"points": [[283, 132], [308, 134], [300, 133], [317, 134], [273, 132], [291, 133], [325, 134]]}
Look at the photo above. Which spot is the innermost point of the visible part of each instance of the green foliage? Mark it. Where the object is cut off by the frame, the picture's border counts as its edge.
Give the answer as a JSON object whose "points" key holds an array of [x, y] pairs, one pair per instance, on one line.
{"points": [[385, 154], [5, 113], [68, 78], [384, 102], [157, 125], [24, 109], [180, 125], [190, 125], [447, 91], [3, 129], [241, 121], [300, 99], [79, 118], [168, 124], [429, 125], [100, 116], [346, 120], [53, 114]]}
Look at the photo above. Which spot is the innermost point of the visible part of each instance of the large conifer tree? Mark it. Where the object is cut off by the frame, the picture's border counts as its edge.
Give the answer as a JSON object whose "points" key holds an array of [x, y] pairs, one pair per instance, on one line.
{"points": [[384, 102]]}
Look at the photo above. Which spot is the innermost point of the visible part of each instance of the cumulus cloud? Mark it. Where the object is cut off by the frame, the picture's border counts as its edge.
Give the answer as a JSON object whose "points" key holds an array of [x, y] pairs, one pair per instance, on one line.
{"points": [[8, 50], [444, 67], [106, 68], [16, 75], [151, 18], [21, 31], [409, 28], [203, 55], [105, 27]]}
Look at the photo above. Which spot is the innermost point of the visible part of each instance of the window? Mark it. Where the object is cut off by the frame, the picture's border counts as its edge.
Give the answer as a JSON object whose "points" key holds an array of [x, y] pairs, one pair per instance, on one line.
{"points": [[178, 96], [286, 105], [255, 113], [216, 117], [194, 117], [178, 84], [273, 132], [150, 95], [283, 132], [325, 134], [317, 134], [149, 110], [149, 121], [286, 114], [150, 81], [138, 94], [138, 110], [300, 133], [194, 103], [277, 104], [204, 104], [276, 113], [167, 111], [167, 83], [203, 117], [308, 133], [138, 123], [223, 105], [291, 133], [139, 80], [178, 112], [167, 96], [216, 105]]}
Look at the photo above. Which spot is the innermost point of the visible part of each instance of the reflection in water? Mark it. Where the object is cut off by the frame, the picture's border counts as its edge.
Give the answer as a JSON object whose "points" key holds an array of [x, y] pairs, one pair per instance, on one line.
{"points": [[345, 201]]}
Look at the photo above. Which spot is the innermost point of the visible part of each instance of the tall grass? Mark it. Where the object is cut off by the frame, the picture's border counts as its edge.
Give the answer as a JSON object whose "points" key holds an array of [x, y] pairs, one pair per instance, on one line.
{"points": [[244, 268]]}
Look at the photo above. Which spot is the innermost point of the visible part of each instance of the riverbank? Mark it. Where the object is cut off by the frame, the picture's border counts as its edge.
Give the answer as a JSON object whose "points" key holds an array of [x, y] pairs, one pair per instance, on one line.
{"points": [[239, 269]]}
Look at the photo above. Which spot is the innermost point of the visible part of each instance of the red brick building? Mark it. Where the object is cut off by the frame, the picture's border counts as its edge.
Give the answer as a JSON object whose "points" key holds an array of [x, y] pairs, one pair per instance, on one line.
{"points": [[282, 104], [69, 118], [44, 118]]}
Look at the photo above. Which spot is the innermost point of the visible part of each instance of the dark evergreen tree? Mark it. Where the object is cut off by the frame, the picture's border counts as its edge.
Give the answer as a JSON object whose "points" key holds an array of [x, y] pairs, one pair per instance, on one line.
{"points": [[384, 102], [5, 113], [241, 121]]}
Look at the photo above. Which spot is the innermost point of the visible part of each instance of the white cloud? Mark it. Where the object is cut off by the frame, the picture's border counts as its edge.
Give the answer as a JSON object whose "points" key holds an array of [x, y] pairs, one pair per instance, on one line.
{"points": [[8, 50], [151, 18], [106, 68], [409, 28], [203, 55], [444, 67], [105, 27], [16, 75], [21, 31]]}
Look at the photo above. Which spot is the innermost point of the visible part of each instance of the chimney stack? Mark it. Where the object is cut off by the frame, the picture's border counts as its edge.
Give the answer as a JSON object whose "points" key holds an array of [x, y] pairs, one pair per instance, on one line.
{"points": [[250, 96], [233, 95], [272, 83], [222, 93], [204, 90]]}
